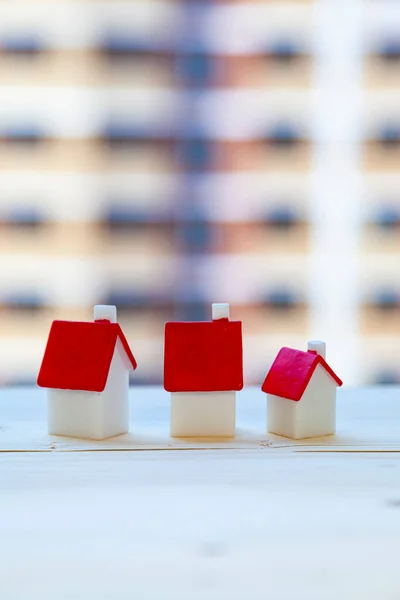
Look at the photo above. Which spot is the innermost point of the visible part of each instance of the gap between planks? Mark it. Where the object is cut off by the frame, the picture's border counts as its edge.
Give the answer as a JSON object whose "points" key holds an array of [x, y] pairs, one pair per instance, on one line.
{"points": [[290, 448]]}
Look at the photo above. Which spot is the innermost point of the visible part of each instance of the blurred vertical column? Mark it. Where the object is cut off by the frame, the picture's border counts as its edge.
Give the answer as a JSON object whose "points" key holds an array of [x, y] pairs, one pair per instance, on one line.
{"points": [[380, 273], [255, 113], [194, 70], [335, 206], [140, 268]]}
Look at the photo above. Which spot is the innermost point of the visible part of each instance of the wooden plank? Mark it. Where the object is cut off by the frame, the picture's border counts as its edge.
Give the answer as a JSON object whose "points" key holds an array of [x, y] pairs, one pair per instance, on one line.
{"points": [[368, 419], [202, 524]]}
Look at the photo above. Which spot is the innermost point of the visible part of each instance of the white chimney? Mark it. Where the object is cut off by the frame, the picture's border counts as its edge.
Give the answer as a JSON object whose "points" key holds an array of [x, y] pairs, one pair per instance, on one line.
{"points": [[104, 312], [318, 347], [220, 311]]}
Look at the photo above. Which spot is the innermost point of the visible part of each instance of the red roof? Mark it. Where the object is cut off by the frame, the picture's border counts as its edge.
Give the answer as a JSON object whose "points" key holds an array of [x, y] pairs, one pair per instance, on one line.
{"points": [[203, 357], [291, 372], [78, 355]]}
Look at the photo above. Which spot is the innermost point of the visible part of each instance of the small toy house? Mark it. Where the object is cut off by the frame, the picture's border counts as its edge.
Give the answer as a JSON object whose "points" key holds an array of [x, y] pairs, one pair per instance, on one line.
{"points": [[86, 371], [203, 370], [301, 393]]}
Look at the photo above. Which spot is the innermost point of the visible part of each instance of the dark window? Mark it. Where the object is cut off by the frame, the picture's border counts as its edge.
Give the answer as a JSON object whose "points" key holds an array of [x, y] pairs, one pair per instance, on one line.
{"points": [[282, 218], [119, 48], [390, 52], [23, 136], [386, 378], [281, 300], [120, 219], [127, 300], [387, 301], [389, 136], [23, 302], [24, 219], [194, 235], [194, 310], [285, 53], [283, 136], [124, 135], [194, 68], [25, 47], [21, 382], [197, 4], [194, 153], [388, 218], [130, 302], [137, 378]]}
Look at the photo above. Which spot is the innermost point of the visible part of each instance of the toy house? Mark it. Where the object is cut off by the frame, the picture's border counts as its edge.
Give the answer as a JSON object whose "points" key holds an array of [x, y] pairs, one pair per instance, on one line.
{"points": [[203, 370], [301, 393], [86, 372]]}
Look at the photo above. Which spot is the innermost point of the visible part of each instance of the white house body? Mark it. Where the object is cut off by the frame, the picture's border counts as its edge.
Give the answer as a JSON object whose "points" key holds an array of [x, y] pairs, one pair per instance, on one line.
{"points": [[203, 414], [93, 415], [312, 416]]}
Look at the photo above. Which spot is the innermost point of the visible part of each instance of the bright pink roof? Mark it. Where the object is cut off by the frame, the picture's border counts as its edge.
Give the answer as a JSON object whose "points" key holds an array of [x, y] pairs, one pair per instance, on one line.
{"points": [[203, 357], [78, 355], [291, 372]]}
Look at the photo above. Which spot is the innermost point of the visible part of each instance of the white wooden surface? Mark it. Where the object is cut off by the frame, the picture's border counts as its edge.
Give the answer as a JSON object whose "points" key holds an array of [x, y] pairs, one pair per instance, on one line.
{"points": [[367, 419], [259, 518]]}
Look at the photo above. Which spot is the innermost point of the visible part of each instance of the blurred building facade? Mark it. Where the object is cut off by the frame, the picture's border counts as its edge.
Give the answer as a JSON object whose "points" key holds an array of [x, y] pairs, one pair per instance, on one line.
{"points": [[161, 155]]}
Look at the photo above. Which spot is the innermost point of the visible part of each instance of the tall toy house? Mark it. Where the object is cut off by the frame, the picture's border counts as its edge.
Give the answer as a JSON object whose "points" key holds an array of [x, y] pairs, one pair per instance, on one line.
{"points": [[85, 369], [203, 370]]}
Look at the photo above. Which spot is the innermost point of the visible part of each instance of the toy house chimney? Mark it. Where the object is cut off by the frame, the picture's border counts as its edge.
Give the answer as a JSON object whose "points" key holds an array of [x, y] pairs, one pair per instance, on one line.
{"points": [[318, 347], [220, 311], [104, 312]]}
